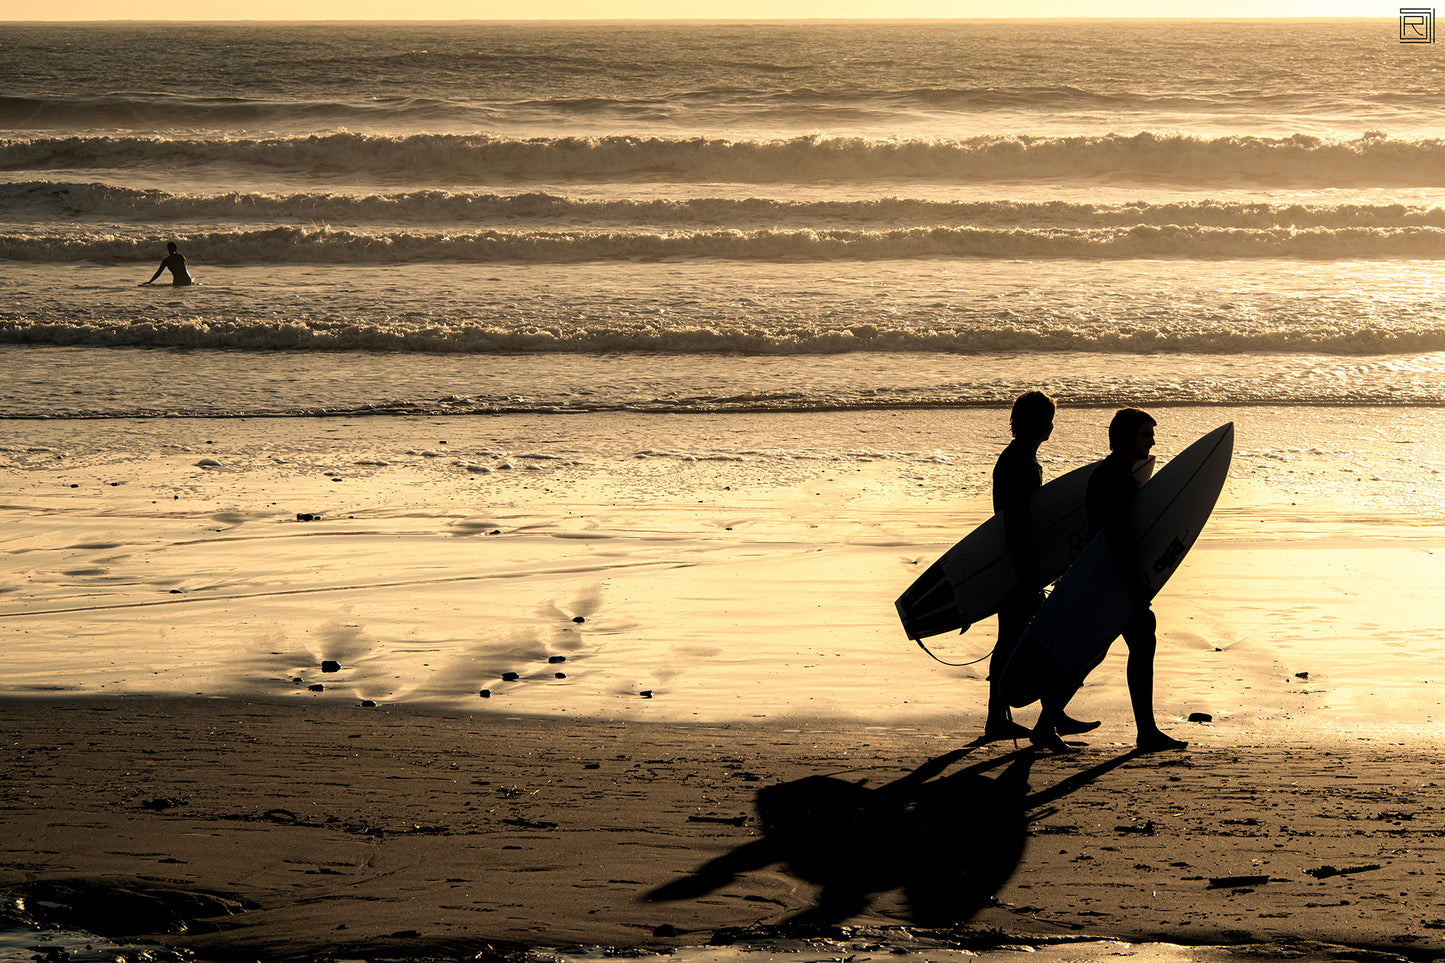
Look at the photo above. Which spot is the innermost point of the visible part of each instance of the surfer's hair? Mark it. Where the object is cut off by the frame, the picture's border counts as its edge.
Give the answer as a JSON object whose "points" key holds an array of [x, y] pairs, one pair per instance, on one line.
{"points": [[1126, 424], [1032, 412], [171, 246]]}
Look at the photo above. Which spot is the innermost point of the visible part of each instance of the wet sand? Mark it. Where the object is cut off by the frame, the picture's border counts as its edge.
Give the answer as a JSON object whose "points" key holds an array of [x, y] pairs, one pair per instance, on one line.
{"points": [[348, 830]]}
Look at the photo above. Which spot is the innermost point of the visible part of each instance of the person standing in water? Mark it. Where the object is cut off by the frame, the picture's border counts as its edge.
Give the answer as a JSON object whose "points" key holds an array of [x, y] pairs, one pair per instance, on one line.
{"points": [[1111, 492], [1016, 476], [174, 263]]}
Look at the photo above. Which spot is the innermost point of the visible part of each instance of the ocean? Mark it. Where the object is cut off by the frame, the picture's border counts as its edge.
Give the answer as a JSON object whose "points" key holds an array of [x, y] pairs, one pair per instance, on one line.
{"points": [[545, 218]]}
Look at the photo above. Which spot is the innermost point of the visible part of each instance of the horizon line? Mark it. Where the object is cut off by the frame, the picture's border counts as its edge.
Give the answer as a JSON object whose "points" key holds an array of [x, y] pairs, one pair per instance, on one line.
{"points": [[701, 20]]}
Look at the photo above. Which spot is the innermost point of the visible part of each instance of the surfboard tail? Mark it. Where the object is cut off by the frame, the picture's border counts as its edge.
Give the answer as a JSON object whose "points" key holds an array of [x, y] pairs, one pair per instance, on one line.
{"points": [[930, 612]]}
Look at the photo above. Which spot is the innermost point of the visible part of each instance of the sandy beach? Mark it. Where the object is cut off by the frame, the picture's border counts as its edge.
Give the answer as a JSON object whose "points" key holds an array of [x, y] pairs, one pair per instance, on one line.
{"points": [[715, 731], [315, 830]]}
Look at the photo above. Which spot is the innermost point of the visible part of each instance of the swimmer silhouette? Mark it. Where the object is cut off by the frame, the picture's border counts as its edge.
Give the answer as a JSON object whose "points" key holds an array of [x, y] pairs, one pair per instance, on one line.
{"points": [[174, 263]]}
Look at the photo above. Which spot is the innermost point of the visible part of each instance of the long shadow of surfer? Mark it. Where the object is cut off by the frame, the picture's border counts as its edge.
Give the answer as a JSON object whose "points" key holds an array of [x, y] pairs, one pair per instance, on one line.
{"points": [[948, 843]]}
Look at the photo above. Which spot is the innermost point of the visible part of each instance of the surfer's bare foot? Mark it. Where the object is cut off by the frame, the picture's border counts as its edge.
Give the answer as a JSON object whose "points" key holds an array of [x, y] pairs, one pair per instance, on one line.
{"points": [[1049, 739], [1072, 727], [1159, 742], [998, 729]]}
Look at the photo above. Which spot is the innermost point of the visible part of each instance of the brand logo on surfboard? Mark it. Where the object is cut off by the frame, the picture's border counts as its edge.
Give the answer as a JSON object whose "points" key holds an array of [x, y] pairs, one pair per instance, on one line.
{"points": [[1172, 554]]}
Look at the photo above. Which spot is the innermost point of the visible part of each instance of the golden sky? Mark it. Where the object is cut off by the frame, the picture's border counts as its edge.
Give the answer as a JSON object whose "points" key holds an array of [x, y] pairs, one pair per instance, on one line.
{"points": [[681, 9]]}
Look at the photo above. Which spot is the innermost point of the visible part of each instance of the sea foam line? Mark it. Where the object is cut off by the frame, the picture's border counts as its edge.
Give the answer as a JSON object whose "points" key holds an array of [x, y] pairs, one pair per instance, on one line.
{"points": [[1302, 160], [341, 246], [1362, 335], [39, 200]]}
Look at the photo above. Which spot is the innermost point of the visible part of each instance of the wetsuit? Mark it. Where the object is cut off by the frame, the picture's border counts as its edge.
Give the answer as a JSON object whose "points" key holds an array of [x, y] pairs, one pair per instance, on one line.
{"points": [[1016, 476], [1110, 507]]}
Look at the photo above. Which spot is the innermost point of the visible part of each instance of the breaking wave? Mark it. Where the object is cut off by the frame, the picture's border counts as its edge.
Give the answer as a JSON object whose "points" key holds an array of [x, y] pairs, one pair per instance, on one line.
{"points": [[1301, 160]]}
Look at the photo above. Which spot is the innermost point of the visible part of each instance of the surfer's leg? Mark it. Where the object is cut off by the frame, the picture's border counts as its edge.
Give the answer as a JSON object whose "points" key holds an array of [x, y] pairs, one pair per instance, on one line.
{"points": [[1012, 620], [1054, 723], [1140, 636]]}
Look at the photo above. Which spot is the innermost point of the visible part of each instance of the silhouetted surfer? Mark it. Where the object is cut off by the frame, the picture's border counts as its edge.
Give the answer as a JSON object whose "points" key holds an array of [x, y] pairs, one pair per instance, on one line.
{"points": [[1016, 476], [174, 263], [1112, 488]]}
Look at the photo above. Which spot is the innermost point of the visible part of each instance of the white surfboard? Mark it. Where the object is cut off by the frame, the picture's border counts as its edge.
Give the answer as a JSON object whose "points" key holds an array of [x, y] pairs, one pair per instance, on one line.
{"points": [[974, 578], [1089, 607]]}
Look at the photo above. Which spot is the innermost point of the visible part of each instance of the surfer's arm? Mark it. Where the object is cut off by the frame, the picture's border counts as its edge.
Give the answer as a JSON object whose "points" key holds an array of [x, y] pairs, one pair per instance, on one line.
{"points": [[1018, 536], [1111, 500], [155, 275], [1124, 553], [1015, 479]]}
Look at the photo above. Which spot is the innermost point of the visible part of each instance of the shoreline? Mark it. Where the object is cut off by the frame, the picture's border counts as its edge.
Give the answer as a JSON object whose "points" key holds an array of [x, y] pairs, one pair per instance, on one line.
{"points": [[337, 829]]}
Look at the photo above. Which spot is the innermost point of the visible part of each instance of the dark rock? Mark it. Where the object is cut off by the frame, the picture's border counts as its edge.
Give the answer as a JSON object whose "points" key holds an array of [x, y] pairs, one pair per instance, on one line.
{"points": [[1325, 872], [124, 907], [330, 665], [1301, 675], [579, 620], [1229, 882], [316, 687], [510, 677], [160, 802], [720, 820], [307, 517], [666, 929], [1200, 717], [646, 693], [485, 693], [368, 704], [554, 659], [559, 675]]}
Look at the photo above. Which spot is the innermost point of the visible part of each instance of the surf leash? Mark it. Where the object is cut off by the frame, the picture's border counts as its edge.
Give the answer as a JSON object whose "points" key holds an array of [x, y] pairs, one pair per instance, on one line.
{"points": [[956, 665]]}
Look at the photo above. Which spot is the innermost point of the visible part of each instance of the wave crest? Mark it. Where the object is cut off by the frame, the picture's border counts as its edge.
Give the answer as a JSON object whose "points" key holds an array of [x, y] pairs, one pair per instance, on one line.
{"points": [[1299, 160]]}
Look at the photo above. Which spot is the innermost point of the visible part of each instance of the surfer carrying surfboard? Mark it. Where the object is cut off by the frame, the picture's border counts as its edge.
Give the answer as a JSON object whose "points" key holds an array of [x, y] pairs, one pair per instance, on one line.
{"points": [[1110, 507], [1017, 475], [174, 262]]}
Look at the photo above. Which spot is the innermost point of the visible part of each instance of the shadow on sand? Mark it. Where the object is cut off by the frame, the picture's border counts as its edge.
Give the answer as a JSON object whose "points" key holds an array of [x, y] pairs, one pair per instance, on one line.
{"points": [[949, 842]]}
